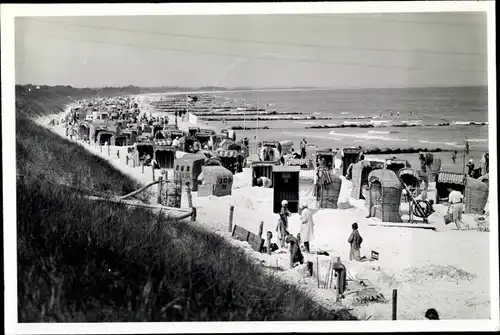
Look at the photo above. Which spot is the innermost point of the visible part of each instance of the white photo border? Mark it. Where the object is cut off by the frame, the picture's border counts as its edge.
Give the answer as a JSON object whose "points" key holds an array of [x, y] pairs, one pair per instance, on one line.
{"points": [[8, 14]]}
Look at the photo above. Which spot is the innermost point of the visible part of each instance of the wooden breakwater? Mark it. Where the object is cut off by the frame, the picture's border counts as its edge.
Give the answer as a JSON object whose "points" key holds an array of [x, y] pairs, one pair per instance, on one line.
{"points": [[243, 113], [268, 118]]}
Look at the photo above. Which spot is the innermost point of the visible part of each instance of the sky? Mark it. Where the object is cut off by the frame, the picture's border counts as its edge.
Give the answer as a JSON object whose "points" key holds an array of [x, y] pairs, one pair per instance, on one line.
{"points": [[313, 50]]}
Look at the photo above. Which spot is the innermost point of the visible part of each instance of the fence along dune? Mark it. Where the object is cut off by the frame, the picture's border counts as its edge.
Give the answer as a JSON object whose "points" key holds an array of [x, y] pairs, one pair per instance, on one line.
{"points": [[82, 261]]}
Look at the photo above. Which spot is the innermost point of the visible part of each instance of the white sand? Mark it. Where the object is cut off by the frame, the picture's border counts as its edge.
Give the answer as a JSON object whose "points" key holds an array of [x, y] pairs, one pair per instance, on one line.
{"points": [[429, 269]]}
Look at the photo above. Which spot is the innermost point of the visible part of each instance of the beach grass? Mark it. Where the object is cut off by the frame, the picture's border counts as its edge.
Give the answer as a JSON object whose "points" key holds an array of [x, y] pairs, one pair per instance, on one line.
{"points": [[45, 156], [82, 261]]}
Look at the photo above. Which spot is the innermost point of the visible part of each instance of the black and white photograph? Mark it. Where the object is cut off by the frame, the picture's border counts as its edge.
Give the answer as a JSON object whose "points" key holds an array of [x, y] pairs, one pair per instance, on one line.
{"points": [[172, 164]]}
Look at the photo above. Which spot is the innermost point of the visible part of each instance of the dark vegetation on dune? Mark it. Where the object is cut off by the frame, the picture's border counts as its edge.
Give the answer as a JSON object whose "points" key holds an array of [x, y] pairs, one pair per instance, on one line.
{"points": [[85, 261], [45, 156], [50, 100]]}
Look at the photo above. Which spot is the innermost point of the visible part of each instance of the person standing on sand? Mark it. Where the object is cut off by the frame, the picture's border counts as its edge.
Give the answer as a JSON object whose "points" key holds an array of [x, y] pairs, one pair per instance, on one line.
{"points": [[303, 144], [355, 241], [282, 227], [176, 143], [315, 181], [307, 230], [454, 156], [484, 163], [455, 200], [470, 167], [196, 146], [295, 252]]}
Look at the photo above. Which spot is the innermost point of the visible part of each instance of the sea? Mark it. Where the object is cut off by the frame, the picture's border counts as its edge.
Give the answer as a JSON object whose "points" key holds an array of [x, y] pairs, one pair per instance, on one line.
{"points": [[423, 107]]}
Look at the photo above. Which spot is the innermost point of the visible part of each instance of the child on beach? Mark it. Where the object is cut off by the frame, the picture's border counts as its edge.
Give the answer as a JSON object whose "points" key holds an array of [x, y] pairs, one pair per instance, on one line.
{"points": [[296, 255], [355, 240], [454, 156]]}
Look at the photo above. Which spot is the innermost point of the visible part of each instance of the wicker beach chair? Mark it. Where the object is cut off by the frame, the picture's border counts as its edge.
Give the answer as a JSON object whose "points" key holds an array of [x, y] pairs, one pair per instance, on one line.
{"points": [[384, 197], [476, 196]]}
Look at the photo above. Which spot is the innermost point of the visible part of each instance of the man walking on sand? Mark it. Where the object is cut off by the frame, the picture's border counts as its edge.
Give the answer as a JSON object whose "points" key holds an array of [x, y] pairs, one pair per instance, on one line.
{"points": [[455, 200]]}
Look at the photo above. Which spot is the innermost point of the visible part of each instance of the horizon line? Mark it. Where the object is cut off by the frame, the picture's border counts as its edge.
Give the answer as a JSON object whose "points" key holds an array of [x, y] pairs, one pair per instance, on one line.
{"points": [[250, 88]]}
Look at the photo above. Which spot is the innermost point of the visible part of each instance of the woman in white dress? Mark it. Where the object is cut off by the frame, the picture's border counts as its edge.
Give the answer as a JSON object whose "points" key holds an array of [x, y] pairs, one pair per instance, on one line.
{"points": [[307, 230]]}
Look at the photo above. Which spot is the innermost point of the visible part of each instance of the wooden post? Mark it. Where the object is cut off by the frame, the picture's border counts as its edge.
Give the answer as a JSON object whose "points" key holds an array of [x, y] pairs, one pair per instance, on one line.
{"points": [[133, 162], [269, 234], [160, 188], [189, 195], [317, 270], [261, 228], [231, 213], [337, 284], [100, 147], [126, 160], [153, 169], [394, 304], [118, 153], [310, 267], [109, 150], [463, 163], [142, 167]]}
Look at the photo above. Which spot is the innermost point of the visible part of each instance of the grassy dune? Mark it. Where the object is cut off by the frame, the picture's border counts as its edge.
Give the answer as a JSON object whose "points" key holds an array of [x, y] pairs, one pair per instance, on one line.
{"points": [[82, 261]]}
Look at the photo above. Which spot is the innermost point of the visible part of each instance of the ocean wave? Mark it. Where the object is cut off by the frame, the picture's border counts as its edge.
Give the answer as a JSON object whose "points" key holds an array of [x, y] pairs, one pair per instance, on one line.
{"points": [[345, 113], [451, 144], [478, 140], [461, 123], [431, 142], [380, 121], [359, 117], [411, 121], [378, 132], [351, 122], [365, 136], [305, 122]]}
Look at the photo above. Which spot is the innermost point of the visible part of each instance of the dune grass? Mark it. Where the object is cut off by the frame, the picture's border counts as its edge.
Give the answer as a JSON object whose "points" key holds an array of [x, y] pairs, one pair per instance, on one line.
{"points": [[44, 155], [86, 262], [83, 261]]}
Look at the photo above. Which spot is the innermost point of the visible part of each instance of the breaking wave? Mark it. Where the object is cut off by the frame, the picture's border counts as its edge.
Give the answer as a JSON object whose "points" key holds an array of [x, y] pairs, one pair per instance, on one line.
{"points": [[378, 132], [467, 123], [367, 136]]}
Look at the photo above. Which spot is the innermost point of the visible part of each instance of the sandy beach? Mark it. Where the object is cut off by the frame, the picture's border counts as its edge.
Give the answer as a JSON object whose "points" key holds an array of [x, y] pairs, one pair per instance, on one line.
{"points": [[444, 269]]}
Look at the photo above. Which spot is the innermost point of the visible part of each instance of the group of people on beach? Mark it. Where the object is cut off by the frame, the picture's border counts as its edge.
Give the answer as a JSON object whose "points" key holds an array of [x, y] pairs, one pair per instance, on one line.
{"points": [[472, 171], [306, 234]]}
